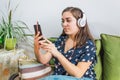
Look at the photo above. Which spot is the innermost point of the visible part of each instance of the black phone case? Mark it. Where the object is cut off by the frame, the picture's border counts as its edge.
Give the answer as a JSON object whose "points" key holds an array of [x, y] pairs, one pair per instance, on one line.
{"points": [[37, 29]]}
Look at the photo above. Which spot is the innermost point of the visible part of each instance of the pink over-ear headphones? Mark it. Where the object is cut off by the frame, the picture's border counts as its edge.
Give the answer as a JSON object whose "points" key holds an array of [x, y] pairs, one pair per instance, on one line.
{"points": [[82, 21]]}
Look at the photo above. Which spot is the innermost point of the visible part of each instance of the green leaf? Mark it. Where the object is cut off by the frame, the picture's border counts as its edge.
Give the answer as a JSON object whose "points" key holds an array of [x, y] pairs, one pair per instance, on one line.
{"points": [[10, 17]]}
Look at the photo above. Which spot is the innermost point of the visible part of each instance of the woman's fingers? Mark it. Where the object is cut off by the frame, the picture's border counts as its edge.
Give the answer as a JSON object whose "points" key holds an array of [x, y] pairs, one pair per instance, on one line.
{"points": [[37, 35], [47, 41], [44, 47], [43, 42]]}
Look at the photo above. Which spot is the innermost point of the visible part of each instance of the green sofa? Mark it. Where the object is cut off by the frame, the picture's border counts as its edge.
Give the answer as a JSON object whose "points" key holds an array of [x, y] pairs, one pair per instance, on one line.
{"points": [[108, 54]]}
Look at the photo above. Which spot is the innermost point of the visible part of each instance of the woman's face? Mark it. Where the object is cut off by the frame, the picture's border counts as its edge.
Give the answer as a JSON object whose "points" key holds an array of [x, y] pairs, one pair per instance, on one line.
{"points": [[69, 24]]}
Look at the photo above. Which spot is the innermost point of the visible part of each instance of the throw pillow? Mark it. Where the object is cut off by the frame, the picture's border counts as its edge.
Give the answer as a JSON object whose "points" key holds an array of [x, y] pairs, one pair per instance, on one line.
{"points": [[98, 66], [111, 57]]}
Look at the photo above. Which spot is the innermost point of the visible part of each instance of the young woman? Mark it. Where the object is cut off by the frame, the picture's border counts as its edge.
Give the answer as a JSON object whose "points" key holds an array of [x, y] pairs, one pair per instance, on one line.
{"points": [[74, 51]]}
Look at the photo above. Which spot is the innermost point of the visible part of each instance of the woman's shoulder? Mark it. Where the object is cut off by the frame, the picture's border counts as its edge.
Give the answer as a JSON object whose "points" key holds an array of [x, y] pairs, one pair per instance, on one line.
{"points": [[61, 38], [90, 42]]}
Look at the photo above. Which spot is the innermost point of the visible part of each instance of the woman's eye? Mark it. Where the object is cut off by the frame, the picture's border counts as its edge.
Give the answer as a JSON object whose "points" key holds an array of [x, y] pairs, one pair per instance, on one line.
{"points": [[68, 20], [62, 21]]}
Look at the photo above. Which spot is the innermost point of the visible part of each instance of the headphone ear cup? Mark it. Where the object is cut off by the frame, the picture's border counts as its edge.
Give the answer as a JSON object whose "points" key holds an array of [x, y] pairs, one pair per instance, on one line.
{"points": [[82, 21]]}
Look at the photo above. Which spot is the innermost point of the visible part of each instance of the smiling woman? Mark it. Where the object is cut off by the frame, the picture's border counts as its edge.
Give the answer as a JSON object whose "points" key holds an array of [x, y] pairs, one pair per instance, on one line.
{"points": [[74, 52]]}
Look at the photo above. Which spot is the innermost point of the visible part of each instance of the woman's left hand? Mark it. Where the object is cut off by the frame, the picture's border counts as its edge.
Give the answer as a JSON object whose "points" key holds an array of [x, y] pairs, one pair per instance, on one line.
{"points": [[49, 46]]}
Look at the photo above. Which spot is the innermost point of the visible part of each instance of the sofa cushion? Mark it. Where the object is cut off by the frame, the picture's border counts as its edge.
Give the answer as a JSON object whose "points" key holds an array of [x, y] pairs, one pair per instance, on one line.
{"points": [[98, 66], [111, 57]]}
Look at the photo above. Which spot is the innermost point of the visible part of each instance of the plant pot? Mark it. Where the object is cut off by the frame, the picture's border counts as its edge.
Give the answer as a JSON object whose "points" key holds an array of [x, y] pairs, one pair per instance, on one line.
{"points": [[10, 43]]}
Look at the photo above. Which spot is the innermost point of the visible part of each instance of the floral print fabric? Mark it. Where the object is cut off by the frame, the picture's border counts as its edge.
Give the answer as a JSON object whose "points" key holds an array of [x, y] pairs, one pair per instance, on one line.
{"points": [[86, 53]]}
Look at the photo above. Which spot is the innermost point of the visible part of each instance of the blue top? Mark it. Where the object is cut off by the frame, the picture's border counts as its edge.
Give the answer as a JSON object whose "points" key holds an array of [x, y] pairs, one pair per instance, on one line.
{"points": [[86, 53]]}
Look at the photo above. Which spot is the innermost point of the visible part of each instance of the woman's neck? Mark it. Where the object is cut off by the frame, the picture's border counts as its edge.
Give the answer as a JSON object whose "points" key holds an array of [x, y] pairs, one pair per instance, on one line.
{"points": [[72, 37]]}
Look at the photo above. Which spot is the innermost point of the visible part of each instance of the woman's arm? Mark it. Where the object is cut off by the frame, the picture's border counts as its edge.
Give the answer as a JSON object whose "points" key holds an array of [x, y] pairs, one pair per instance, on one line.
{"points": [[43, 58], [74, 70]]}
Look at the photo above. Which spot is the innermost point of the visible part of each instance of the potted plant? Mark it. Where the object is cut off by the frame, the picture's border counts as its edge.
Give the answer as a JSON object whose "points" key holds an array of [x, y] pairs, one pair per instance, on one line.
{"points": [[12, 31]]}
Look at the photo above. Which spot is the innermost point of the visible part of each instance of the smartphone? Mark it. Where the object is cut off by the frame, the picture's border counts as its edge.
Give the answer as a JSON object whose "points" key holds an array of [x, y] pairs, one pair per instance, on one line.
{"points": [[37, 29]]}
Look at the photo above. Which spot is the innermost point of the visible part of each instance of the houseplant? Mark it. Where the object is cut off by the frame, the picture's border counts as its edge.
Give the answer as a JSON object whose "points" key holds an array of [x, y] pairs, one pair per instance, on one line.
{"points": [[12, 31]]}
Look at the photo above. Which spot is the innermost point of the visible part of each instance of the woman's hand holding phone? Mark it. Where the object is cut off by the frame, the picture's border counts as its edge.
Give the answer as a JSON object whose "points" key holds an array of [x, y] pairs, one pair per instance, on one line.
{"points": [[44, 44], [40, 41]]}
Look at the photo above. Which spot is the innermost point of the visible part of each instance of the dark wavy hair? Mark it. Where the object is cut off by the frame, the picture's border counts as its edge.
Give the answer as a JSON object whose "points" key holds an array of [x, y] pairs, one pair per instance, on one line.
{"points": [[84, 33]]}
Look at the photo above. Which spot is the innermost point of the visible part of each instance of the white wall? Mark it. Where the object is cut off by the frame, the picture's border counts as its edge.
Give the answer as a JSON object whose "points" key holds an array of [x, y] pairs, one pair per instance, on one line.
{"points": [[103, 15]]}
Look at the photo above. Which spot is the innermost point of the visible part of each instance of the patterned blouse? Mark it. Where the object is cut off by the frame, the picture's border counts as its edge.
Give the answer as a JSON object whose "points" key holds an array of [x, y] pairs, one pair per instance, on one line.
{"points": [[86, 53]]}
